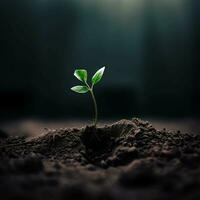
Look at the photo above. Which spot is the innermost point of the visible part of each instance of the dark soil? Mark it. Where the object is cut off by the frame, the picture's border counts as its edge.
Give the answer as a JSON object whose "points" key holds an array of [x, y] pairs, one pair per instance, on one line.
{"points": [[126, 160]]}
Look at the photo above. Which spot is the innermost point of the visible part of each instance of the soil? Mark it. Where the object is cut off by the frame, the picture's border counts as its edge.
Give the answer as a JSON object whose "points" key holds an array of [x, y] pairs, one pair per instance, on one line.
{"points": [[127, 160]]}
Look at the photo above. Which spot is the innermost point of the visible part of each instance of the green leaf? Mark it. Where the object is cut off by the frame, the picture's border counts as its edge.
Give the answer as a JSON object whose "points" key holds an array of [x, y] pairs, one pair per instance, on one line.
{"points": [[80, 89], [81, 74], [97, 76]]}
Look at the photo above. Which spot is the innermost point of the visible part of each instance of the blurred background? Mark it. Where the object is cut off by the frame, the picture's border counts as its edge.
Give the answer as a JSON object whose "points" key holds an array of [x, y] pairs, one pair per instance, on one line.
{"points": [[150, 49]]}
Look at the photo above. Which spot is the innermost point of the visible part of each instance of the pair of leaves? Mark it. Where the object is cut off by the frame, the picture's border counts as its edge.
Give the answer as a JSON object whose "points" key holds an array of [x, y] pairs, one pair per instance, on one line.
{"points": [[81, 74]]}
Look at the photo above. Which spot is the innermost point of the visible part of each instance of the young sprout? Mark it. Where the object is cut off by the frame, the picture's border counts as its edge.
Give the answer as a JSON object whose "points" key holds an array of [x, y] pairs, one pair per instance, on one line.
{"points": [[81, 74]]}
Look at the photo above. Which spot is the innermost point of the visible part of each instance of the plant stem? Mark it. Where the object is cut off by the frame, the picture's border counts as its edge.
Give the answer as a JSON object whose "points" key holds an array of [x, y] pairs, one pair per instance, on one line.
{"points": [[95, 108], [95, 103]]}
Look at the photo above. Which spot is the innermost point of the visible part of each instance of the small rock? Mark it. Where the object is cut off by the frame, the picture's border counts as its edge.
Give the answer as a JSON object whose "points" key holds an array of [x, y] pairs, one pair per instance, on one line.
{"points": [[172, 153], [139, 175], [127, 153], [91, 167], [103, 164]]}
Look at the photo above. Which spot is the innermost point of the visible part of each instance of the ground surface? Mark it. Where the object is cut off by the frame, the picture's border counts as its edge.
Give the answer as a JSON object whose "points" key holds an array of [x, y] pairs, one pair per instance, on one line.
{"points": [[34, 126], [129, 159]]}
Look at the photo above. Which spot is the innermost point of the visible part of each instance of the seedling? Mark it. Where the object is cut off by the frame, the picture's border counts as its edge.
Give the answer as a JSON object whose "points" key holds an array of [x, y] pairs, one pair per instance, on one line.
{"points": [[81, 74]]}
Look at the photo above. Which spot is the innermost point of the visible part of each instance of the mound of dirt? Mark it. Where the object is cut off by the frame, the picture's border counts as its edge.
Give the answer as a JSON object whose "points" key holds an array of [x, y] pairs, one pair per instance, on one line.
{"points": [[126, 160]]}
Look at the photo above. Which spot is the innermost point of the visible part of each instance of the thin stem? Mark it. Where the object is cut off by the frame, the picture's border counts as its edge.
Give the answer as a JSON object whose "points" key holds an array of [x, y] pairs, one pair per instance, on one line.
{"points": [[95, 103], [95, 107]]}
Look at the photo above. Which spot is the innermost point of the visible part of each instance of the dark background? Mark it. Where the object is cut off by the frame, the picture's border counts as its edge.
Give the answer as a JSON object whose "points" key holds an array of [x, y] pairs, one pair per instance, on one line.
{"points": [[150, 49]]}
